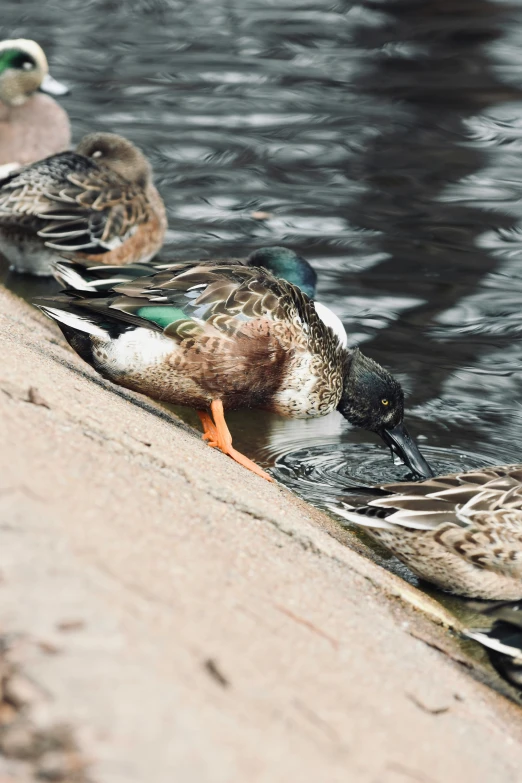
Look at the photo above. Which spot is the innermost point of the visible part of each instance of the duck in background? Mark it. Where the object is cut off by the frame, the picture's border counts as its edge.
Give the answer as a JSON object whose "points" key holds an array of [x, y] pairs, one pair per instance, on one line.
{"points": [[97, 204], [461, 532], [219, 336], [32, 125]]}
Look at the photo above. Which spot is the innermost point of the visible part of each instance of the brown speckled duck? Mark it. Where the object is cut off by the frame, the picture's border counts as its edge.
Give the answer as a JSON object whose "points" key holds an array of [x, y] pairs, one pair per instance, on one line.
{"points": [[97, 203], [462, 532], [222, 336], [32, 124]]}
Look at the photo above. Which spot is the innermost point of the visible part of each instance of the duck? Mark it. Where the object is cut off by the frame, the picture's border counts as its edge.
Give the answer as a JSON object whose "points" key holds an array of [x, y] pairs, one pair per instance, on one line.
{"points": [[461, 532], [32, 124], [97, 203], [218, 336], [503, 639]]}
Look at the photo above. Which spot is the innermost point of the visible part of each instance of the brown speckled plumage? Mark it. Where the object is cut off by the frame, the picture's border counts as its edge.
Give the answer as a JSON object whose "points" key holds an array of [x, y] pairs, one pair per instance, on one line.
{"points": [[247, 338], [461, 532], [97, 203]]}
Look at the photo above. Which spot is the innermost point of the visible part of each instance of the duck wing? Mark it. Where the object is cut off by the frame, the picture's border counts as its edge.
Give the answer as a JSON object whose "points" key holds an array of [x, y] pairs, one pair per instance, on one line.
{"points": [[73, 204], [88, 275], [187, 299], [224, 297]]}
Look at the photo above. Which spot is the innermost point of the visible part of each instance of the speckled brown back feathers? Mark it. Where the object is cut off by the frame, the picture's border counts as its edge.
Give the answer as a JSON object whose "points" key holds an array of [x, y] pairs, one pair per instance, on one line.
{"points": [[84, 207], [463, 532], [66, 201], [237, 332]]}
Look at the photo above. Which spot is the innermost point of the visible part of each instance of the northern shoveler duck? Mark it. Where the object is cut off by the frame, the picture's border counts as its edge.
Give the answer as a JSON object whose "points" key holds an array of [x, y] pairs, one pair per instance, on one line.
{"points": [[32, 125], [461, 532], [503, 639], [97, 203], [224, 336]]}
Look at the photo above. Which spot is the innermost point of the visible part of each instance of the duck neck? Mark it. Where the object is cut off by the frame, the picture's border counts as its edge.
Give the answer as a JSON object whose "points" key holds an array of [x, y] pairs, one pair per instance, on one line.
{"points": [[347, 362]]}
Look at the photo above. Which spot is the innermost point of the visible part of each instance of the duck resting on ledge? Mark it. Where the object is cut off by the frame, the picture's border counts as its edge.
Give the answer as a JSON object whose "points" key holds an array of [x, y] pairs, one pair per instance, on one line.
{"points": [[219, 336], [97, 204]]}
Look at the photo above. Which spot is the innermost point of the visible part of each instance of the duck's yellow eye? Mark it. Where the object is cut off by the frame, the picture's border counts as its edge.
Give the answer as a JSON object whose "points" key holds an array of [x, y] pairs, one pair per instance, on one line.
{"points": [[385, 401]]}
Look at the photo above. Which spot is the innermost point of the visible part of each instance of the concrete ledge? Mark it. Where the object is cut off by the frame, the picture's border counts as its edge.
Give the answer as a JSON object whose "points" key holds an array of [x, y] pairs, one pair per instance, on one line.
{"points": [[187, 621]]}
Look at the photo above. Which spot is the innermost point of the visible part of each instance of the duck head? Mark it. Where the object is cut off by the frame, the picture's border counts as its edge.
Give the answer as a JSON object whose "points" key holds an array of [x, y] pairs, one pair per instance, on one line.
{"points": [[23, 71], [285, 263], [374, 400], [118, 154]]}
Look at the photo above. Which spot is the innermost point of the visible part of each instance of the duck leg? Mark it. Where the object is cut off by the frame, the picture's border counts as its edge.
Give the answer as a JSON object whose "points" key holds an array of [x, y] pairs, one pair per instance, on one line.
{"points": [[209, 430], [216, 433]]}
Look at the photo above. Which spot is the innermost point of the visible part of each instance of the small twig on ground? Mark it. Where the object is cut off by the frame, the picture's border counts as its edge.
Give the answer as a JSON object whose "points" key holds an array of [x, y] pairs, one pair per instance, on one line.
{"points": [[212, 668]]}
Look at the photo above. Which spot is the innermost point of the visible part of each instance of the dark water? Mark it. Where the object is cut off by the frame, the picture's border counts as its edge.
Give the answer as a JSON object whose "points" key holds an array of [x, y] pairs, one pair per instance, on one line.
{"points": [[385, 141]]}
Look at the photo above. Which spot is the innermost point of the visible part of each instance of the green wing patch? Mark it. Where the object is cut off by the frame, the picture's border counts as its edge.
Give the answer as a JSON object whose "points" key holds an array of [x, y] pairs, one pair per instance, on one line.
{"points": [[173, 320], [163, 315]]}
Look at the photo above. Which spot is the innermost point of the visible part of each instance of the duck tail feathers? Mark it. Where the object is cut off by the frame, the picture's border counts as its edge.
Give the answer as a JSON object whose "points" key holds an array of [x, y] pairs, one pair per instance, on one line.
{"points": [[360, 516], [64, 314], [95, 278]]}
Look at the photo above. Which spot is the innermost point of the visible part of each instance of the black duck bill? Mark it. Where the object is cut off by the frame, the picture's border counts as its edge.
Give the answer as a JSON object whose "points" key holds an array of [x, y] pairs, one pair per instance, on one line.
{"points": [[402, 444]]}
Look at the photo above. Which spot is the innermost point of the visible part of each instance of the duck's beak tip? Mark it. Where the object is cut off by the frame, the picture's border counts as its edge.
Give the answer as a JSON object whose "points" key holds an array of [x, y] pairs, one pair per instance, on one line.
{"points": [[402, 444]]}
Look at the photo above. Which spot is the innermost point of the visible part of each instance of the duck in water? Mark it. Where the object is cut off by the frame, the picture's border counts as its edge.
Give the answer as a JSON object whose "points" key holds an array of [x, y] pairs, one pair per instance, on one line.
{"points": [[462, 532]]}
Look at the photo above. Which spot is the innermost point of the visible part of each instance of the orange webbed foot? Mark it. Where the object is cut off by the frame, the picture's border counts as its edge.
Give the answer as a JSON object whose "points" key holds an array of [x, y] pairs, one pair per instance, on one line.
{"points": [[210, 433], [217, 434]]}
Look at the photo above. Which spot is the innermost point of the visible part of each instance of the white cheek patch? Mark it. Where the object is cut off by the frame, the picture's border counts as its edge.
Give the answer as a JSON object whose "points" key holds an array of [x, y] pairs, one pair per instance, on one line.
{"points": [[333, 321], [389, 418]]}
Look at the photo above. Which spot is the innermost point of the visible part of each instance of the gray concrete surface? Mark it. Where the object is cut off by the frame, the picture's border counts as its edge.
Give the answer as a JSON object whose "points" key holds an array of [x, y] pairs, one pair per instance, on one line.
{"points": [[189, 622]]}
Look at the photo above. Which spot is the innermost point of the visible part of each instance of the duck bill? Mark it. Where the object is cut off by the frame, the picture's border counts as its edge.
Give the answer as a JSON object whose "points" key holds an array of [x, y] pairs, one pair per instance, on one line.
{"points": [[51, 86], [401, 443]]}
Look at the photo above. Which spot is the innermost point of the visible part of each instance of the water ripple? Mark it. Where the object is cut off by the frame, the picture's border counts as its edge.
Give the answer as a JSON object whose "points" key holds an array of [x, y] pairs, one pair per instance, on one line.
{"points": [[323, 476]]}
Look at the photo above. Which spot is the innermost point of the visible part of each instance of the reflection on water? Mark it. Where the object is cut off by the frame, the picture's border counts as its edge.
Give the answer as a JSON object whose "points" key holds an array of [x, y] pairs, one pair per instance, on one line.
{"points": [[320, 474], [383, 140]]}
